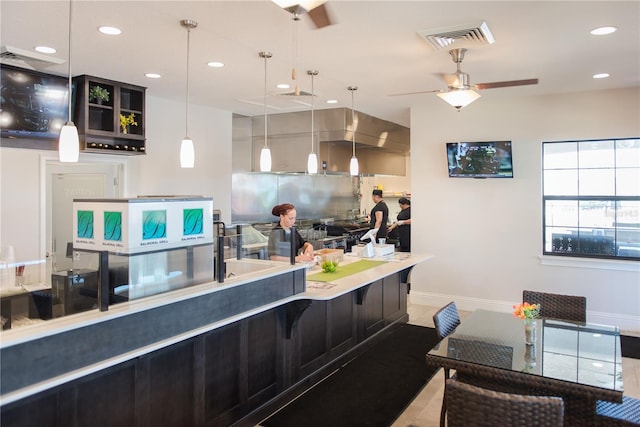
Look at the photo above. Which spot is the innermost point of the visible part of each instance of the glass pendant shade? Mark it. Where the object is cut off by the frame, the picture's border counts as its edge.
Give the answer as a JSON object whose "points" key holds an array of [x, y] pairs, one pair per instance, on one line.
{"points": [[69, 144], [187, 153], [353, 166], [459, 98], [265, 160], [312, 163]]}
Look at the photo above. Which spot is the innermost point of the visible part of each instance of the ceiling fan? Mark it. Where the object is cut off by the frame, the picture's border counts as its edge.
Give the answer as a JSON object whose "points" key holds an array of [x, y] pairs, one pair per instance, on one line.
{"points": [[316, 10], [459, 92]]}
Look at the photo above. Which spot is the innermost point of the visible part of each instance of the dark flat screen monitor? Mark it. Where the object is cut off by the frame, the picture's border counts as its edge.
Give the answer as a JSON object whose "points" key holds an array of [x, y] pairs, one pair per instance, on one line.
{"points": [[33, 106], [490, 159]]}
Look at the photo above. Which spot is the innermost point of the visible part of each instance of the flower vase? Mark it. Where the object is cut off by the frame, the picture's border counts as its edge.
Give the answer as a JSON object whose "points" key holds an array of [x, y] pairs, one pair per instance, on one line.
{"points": [[530, 326], [125, 129]]}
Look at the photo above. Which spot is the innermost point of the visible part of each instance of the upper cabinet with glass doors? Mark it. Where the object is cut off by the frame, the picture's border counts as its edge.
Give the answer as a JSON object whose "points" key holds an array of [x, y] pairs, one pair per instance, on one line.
{"points": [[110, 115]]}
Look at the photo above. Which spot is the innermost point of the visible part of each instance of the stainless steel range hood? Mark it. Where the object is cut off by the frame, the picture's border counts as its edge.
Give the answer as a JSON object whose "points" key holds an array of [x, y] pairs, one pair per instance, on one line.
{"points": [[381, 146]]}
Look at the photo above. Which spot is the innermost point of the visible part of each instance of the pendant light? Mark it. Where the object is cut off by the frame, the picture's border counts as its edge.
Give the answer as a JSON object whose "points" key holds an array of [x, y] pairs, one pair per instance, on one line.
{"points": [[187, 151], [69, 144], [265, 153], [353, 164], [312, 161]]}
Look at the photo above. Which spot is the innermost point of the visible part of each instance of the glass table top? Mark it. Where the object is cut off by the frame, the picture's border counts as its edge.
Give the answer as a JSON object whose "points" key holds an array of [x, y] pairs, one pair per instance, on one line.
{"points": [[587, 354]]}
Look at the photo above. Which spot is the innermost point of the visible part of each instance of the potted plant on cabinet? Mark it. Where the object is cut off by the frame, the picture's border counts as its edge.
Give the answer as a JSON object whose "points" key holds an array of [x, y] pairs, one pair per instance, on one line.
{"points": [[126, 121], [98, 94]]}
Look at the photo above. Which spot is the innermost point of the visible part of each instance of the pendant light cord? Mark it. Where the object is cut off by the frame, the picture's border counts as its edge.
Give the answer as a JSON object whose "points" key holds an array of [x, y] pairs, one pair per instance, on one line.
{"points": [[312, 108], [186, 114], [265, 99], [353, 123], [69, 64]]}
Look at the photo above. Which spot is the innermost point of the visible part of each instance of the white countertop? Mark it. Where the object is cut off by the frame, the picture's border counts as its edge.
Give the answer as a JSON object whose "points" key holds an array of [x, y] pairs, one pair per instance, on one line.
{"points": [[396, 262], [328, 290]]}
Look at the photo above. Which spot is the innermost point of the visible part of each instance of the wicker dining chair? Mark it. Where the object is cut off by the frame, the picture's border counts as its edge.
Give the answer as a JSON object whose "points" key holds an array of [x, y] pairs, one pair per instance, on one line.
{"points": [[446, 320], [556, 306], [468, 405]]}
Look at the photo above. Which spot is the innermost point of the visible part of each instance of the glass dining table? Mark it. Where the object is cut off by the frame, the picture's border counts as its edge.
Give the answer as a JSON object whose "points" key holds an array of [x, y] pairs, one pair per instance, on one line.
{"points": [[581, 362]]}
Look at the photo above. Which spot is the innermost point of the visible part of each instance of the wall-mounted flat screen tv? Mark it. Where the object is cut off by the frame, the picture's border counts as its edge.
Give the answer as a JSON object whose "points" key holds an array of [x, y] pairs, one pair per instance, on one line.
{"points": [[490, 159], [33, 107]]}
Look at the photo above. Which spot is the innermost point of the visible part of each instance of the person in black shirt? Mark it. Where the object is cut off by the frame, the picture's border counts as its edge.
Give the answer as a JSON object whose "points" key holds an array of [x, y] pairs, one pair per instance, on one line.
{"points": [[280, 236], [379, 215], [403, 225]]}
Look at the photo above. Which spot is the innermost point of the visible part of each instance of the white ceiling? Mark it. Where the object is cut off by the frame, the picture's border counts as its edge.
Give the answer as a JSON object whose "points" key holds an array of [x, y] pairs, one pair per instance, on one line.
{"points": [[373, 44]]}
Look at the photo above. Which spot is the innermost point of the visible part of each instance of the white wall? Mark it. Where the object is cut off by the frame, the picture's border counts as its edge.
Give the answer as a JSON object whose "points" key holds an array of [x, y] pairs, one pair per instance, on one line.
{"points": [[22, 190], [159, 171], [486, 234]]}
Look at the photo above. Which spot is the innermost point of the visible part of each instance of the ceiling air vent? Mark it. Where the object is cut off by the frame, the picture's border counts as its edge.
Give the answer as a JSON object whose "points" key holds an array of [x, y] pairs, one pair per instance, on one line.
{"points": [[25, 59], [444, 37]]}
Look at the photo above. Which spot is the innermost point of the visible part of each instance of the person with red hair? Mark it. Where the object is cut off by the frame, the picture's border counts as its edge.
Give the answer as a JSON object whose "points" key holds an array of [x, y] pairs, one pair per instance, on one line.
{"points": [[280, 236]]}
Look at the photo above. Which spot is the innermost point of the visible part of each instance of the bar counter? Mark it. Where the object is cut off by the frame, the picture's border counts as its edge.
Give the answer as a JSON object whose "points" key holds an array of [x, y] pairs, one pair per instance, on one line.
{"points": [[215, 354]]}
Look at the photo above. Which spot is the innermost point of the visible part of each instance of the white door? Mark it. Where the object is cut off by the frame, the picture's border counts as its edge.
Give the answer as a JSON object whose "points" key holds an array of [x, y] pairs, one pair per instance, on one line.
{"points": [[66, 183]]}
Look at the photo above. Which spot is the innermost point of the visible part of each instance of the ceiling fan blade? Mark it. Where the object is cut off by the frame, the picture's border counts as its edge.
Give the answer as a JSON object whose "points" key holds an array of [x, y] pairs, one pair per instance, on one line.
{"points": [[506, 84], [320, 16], [415, 93]]}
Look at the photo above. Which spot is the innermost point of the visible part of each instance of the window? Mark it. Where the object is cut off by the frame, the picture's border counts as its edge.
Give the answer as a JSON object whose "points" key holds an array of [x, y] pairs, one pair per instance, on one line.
{"points": [[591, 198]]}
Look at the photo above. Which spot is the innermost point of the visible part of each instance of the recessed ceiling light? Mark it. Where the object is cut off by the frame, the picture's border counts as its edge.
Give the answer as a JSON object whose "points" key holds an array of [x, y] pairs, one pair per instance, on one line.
{"points": [[283, 86], [153, 75], [111, 31], [601, 31], [601, 76], [215, 64], [332, 101], [45, 49]]}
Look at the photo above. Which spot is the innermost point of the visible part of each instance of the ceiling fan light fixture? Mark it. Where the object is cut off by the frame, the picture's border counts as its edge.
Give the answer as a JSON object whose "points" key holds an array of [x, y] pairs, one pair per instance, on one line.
{"points": [[459, 98], [298, 6]]}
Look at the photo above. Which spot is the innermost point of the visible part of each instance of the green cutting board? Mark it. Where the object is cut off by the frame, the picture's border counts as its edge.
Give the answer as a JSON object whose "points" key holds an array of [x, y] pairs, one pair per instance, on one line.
{"points": [[344, 270]]}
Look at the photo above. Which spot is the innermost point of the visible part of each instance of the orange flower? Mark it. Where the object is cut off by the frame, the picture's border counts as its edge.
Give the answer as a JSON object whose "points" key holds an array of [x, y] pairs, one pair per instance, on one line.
{"points": [[526, 310]]}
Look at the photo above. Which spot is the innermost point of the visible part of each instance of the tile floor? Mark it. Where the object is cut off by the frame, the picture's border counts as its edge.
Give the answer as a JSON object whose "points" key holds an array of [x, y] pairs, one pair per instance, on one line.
{"points": [[424, 411]]}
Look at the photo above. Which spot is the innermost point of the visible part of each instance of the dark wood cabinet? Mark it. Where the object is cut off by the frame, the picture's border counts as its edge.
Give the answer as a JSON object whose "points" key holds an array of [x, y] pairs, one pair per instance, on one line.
{"points": [[113, 122]]}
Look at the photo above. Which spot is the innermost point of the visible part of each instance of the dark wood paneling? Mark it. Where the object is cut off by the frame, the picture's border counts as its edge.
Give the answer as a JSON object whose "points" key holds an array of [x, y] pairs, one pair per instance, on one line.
{"points": [[171, 386], [262, 353], [392, 298], [373, 319], [311, 339], [222, 371], [342, 321], [41, 410]]}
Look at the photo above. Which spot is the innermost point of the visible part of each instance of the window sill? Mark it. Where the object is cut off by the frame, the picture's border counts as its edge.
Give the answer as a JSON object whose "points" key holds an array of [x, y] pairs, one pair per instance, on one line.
{"points": [[601, 264]]}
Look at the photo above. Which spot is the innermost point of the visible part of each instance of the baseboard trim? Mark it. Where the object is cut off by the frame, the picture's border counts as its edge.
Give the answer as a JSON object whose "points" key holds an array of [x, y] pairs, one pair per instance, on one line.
{"points": [[629, 325]]}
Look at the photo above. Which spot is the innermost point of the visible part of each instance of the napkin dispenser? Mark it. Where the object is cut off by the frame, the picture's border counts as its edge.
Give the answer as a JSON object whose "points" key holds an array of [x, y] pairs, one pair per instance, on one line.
{"points": [[367, 251]]}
